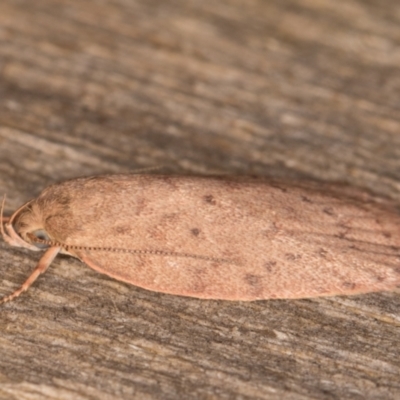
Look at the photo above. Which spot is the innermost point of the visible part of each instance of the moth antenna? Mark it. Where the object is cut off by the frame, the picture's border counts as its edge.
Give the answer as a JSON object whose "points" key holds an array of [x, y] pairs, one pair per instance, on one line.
{"points": [[67, 247], [41, 267], [176, 254], [145, 252], [37, 240]]}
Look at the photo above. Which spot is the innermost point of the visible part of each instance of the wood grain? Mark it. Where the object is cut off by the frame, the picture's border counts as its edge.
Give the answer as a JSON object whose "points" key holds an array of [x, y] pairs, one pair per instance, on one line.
{"points": [[295, 89]]}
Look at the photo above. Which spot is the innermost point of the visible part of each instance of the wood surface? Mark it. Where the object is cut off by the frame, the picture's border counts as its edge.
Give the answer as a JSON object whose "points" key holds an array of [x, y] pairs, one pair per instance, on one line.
{"points": [[299, 89]]}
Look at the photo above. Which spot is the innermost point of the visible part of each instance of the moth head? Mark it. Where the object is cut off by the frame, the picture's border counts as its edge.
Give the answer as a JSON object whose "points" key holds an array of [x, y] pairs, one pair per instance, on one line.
{"points": [[27, 224]]}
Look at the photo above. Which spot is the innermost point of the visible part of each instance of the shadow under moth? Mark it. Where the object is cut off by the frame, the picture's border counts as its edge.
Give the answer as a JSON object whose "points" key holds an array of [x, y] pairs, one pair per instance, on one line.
{"points": [[215, 238]]}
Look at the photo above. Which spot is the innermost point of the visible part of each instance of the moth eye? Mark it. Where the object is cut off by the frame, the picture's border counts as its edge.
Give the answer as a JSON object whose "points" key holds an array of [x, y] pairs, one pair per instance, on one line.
{"points": [[41, 234]]}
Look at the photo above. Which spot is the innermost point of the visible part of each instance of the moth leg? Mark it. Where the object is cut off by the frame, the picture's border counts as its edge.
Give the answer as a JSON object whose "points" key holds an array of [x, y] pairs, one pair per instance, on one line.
{"points": [[41, 267]]}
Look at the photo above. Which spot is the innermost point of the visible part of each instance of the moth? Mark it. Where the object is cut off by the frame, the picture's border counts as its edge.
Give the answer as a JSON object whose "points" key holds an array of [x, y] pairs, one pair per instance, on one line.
{"points": [[215, 238]]}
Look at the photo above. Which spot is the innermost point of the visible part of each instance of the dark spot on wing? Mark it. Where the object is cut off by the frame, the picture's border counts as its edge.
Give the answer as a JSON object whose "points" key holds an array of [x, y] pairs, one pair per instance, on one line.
{"points": [[344, 231], [269, 266], [305, 199], [122, 229], [140, 205], [197, 285], [254, 283], [210, 199], [349, 285], [252, 280], [321, 290], [195, 231], [292, 256], [322, 253], [329, 211]]}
